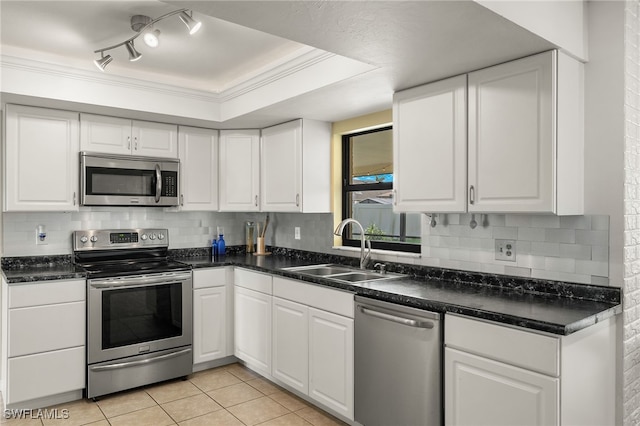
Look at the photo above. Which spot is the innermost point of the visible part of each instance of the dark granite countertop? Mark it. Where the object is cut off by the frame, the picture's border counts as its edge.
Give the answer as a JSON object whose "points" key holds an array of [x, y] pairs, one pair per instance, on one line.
{"points": [[558, 308], [552, 313]]}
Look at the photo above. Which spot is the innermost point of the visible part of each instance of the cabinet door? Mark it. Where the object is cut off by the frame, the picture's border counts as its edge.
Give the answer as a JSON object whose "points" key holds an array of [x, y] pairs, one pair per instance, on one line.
{"points": [[45, 374], [281, 168], [291, 344], [430, 147], [253, 329], [239, 170], [331, 361], [44, 328], [481, 391], [198, 149], [41, 161], [209, 324], [109, 135], [512, 144], [154, 139]]}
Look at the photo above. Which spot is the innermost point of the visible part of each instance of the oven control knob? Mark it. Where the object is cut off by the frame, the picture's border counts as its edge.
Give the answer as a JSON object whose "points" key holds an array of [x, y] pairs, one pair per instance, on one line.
{"points": [[94, 238], [161, 236], [144, 237], [152, 236], [84, 239]]}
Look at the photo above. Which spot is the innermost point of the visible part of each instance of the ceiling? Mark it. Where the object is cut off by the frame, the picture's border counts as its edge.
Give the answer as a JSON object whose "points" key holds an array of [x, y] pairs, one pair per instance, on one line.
{"points": [[403, 43]]}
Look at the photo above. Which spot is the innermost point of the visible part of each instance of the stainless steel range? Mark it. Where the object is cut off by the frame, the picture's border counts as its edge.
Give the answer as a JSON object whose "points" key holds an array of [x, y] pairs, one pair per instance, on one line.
{"points": [[139, 309]]}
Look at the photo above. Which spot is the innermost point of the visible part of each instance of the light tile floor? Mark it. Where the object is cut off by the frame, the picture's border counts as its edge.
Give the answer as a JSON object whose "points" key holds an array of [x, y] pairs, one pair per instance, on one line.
{"points": [[226, 396]]}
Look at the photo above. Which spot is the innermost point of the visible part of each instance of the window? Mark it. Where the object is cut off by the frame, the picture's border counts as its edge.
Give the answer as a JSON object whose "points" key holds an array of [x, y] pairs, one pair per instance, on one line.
{"points": [[367, 193]]}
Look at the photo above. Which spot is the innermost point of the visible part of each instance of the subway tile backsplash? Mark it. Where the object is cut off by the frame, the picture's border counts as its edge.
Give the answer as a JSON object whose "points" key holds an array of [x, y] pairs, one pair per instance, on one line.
{"points": [[568, 248]]}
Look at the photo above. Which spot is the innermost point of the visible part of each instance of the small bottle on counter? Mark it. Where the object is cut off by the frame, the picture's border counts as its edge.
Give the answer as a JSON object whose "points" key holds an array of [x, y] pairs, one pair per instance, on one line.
{"points": [[214, 250], [222, 249]]}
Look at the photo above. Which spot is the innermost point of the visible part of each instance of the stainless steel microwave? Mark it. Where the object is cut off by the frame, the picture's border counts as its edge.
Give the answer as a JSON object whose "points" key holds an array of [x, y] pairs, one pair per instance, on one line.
{"points": [[123, 180]]}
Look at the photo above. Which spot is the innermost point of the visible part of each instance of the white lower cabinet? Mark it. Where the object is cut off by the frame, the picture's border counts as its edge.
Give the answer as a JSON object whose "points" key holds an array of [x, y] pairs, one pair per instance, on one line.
{"points": [[500, 375], [290, 362], [43, 342], [253, 319], [211, 318], [331, 361], [487, 392], [313, 342]]}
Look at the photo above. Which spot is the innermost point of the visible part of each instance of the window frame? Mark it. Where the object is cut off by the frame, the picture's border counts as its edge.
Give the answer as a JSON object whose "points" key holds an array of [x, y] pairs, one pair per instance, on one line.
{"points": [[347, 187]]}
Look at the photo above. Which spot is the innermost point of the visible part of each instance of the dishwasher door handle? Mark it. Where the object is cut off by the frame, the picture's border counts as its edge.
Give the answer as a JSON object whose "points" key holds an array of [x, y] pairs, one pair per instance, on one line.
{"points": [[394, 318]]}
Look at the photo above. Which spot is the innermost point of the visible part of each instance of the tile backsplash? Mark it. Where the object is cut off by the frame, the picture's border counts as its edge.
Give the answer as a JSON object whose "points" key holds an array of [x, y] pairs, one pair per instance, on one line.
{"points": [[567, 248], [564, 248]]}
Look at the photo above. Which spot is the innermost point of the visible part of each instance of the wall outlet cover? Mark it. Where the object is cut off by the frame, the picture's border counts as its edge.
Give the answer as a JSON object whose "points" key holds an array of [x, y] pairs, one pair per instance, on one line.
{"points": [[506, 250], [296, 232]]}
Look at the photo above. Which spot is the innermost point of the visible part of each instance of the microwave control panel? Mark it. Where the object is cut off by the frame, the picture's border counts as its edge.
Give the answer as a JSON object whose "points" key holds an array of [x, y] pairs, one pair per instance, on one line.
{"points": [[169, 184]]}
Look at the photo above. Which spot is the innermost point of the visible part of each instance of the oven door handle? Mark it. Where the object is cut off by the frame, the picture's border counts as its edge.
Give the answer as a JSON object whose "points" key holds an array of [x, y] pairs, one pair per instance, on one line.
{"points": [[138, 280], [139, 362]]}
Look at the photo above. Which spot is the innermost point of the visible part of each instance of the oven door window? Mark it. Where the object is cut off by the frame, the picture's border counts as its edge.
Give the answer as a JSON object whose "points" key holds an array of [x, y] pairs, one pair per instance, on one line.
{"points": [[112, 181], [141, 314]]}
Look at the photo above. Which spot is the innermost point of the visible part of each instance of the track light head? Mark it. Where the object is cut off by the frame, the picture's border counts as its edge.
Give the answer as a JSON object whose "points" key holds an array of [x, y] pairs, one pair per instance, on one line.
{"points": [[152, 38], [191, 24], [134, 55], [103, 62]]}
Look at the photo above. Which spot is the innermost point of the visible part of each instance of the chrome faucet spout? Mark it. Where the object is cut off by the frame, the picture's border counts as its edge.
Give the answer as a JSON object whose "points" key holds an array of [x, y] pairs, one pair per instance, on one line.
{"points": [[364, 258]]}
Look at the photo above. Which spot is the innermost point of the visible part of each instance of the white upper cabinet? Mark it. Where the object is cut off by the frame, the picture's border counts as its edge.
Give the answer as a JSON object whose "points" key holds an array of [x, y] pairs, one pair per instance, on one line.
{"points": [[198, 153], [41, 159], [295, 167], [239, 169], [114, 135], [430, 149], [525, 140]]}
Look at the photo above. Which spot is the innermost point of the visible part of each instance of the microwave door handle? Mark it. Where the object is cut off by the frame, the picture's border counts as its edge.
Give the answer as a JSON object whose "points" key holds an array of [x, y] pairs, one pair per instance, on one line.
{"points": [[158, 183]]}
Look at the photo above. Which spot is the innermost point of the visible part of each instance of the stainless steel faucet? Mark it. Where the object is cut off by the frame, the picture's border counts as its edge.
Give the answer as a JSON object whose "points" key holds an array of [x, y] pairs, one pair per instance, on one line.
{"points": [[364, 258]]}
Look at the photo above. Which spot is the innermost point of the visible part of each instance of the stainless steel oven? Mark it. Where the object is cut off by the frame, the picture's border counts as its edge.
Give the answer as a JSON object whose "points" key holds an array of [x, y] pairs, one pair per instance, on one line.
{"points": [[139, 309]]}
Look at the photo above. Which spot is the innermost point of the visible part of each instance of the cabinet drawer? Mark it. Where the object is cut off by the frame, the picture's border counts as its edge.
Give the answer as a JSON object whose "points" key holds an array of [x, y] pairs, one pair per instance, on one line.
{"points": [[46, 293], [253, 280], [327, 299], [50, 373], [513, 346], [213, 277], [45, 328]]}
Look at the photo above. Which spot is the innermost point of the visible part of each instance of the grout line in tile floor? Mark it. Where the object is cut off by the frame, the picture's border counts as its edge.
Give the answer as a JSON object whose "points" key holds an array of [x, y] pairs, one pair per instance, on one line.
{"points": [[231, 395]]}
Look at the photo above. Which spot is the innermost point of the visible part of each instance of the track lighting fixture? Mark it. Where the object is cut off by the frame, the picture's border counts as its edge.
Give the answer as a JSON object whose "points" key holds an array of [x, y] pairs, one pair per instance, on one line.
{"points": [[103, 61], [192, 25], [134, 55], [143, 25]]}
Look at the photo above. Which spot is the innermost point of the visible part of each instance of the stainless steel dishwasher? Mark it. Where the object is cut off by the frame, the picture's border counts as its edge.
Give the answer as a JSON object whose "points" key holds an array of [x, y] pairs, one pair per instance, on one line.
{"points": [[398, 365]]}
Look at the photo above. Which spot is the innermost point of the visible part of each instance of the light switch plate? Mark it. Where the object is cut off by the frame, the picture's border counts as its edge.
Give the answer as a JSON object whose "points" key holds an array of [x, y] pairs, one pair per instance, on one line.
{"points": [[506, 250], [296, 232]]}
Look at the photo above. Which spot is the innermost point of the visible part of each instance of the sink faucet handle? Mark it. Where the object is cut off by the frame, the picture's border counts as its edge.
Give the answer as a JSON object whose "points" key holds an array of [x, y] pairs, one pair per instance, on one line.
{"points": [[382, 267]]}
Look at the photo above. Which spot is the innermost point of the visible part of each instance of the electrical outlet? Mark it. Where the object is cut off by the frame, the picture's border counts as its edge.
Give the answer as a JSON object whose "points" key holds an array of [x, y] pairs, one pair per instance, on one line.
{"points": [[506, 250], [41, 235], [296, 232]]}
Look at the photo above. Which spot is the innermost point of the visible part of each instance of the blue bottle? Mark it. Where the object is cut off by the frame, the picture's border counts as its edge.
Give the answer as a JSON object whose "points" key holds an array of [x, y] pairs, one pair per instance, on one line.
{"points": [[222, 250], [214, 250]]}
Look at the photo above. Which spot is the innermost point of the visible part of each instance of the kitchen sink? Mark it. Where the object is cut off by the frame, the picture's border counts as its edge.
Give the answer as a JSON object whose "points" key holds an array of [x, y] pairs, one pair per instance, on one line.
{"points": [[343, 273]]}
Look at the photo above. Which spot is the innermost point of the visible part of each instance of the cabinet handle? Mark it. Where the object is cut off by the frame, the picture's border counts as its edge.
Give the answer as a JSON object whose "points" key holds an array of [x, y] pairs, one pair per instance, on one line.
{"points": [[135, 143], [297, 200], [129, 142], [472, 195], [74, 198], [182, 199], [256, 201], [393, 196]]}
